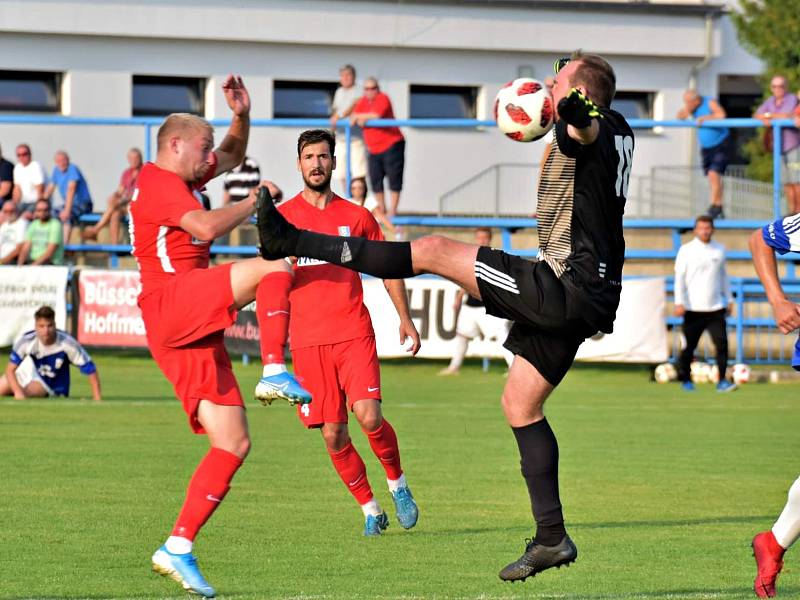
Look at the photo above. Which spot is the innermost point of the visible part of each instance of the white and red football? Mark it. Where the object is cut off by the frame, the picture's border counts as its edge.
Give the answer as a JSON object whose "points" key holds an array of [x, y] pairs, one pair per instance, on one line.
{"points": [[524, 110]]}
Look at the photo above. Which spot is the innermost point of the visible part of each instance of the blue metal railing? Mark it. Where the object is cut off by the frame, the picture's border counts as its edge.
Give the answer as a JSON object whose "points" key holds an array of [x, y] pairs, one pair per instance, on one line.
{"points": [[506, 226], [149, 122]]}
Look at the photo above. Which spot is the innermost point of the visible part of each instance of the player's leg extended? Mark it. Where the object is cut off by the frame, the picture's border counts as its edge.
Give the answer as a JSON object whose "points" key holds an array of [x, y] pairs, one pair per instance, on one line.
{"points": [[769, 546], [523, 398], [388, 260], [269, 284], [353, 473], [383, 441], [226, 427]]}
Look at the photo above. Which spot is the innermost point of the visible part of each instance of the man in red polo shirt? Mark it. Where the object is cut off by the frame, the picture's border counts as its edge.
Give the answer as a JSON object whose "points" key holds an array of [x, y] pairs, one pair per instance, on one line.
{"points": [[386, 146]]}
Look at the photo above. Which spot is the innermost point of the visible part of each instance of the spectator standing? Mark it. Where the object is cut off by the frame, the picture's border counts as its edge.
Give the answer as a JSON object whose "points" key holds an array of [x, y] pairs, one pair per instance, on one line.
{"points": [[29, 181], [782, 105], [44, 239], [40, 360], [703, 298], [118, 201], [12, 233], [71, 184], [472, 319], [714, 144], [6, 179], [344, 101], [386, 146]]}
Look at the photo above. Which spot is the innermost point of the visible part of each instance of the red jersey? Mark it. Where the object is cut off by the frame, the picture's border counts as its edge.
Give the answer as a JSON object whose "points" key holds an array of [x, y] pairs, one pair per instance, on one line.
{"points": [[378, 139], [162, 249], [327, 301]]}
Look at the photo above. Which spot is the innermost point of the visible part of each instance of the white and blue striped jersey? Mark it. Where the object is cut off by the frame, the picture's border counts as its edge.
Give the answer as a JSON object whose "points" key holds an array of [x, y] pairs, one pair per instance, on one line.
{"points": [[783, 235], [52, 362]]}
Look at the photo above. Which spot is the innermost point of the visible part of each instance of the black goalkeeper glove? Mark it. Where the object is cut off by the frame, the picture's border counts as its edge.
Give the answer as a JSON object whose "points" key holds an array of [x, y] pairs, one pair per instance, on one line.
{"points": [[577, 110]]}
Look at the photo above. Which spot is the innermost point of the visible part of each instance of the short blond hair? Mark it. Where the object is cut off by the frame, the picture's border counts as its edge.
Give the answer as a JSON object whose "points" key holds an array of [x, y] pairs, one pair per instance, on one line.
{"points": [[182, 125]]}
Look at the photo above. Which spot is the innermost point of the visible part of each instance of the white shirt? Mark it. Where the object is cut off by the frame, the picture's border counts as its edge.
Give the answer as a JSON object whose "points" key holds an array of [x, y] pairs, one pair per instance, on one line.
{"points": [[12, 234], [27, 178], [701, 281], [344, 98]]}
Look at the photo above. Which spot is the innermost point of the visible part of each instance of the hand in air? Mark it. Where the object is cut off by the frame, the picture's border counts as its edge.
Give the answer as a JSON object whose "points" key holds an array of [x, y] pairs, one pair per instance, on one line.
{"points": [[577, 110], [236, 95]]}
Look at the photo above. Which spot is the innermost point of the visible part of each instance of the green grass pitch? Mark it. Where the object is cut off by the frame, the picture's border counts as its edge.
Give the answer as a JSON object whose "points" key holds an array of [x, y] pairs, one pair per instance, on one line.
{"points": [[662, 491]]}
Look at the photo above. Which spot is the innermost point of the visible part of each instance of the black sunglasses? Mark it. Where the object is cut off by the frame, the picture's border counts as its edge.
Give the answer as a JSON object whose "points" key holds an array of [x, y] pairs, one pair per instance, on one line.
{"points": [[560, 64]]}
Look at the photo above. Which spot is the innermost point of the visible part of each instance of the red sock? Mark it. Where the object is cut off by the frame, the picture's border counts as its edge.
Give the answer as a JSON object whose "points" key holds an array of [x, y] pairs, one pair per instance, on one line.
{"points": [[272, 312], [209, 484], [384, 444], [351, 469]]}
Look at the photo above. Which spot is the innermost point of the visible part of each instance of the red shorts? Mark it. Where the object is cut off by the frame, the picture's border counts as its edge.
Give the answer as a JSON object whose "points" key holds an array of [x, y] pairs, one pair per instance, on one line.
{"points": [[337, 375], [185, 321]]}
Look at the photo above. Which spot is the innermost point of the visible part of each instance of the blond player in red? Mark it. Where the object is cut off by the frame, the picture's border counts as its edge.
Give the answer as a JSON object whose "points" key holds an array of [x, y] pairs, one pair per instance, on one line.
{"points": [[186, 306], [332, 340]]}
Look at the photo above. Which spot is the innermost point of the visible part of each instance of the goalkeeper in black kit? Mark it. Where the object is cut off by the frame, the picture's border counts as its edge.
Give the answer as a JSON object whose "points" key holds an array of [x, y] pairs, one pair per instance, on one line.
{"points": [[568, 294]]}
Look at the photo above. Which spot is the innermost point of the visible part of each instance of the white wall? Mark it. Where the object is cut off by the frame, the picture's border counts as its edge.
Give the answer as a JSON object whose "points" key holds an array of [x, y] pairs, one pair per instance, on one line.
{"points": [[99, 45]]}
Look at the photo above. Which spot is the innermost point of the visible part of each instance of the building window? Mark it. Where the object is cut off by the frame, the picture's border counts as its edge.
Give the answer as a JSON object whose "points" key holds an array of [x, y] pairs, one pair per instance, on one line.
{"points": [[27, 91], [302, 99], [634, 105], [443, 102], [157, 96]]}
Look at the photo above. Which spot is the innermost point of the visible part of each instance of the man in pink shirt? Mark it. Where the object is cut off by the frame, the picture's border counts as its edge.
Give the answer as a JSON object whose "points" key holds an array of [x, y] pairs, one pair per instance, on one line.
{"points": [[386, 146]]}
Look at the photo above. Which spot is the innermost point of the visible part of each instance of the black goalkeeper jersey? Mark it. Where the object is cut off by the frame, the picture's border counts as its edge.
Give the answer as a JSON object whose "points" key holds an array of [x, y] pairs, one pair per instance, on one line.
{"points": [[581, 203]]}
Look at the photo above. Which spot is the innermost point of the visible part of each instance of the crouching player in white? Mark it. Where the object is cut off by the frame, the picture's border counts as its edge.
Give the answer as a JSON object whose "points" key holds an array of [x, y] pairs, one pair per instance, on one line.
{"points": [[781, 236], [473, 320], [39, 363]]}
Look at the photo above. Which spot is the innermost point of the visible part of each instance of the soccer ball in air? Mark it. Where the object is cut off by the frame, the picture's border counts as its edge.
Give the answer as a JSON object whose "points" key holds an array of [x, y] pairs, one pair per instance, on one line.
{"points": [[524, 110], [665, 372], [740, 373]]}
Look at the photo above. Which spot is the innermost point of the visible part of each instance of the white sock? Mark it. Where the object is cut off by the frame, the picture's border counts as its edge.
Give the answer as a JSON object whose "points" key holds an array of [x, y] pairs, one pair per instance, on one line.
{"points": [[396, 484], [371, 508], [273, 369], [459, 352], [787, 527], [178, 545]]}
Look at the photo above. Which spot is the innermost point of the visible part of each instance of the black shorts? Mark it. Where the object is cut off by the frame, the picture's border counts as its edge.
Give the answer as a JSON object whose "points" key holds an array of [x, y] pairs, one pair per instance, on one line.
{"points": [[388, 164], [530, 294], [716, 158]]}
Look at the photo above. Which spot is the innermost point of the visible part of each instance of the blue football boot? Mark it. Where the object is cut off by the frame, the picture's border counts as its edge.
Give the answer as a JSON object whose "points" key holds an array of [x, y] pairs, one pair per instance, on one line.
{"points": [[376, 525], [183, 569], [407, 511], [282, 385]]}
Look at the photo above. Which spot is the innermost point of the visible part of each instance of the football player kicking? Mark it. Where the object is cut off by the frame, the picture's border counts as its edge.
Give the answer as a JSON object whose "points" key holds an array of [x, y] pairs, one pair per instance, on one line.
{"points": [[332, 340], [186, 306], [556, 302], [781, 236]]}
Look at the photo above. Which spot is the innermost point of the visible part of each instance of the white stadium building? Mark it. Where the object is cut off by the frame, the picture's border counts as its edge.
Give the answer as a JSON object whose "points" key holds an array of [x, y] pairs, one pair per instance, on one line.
{"points": [[118, 59]]}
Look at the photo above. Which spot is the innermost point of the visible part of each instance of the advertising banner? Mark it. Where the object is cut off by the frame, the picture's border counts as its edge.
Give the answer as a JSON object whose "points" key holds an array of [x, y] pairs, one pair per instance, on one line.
{"points": [[23, 290], [108, 316], [640, 333], [107, 313]]}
